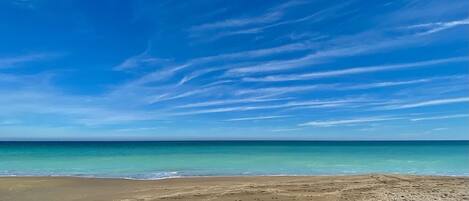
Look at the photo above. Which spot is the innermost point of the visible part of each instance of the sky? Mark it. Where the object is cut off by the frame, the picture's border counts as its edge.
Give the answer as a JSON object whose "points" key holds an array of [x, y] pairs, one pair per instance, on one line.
{"points": [[225, 70]]}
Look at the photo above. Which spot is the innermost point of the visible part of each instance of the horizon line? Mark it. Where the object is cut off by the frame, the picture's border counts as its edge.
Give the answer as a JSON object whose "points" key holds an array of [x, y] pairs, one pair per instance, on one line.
{"points": [[242, 140]]}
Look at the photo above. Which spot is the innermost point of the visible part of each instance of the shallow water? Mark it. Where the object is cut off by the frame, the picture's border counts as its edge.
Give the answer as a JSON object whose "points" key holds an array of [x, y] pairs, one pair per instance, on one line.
{"points": [[154, 160]]}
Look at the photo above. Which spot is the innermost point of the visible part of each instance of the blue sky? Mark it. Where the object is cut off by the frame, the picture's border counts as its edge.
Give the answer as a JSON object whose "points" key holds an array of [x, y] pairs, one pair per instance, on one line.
{"points": [[324, 70]]}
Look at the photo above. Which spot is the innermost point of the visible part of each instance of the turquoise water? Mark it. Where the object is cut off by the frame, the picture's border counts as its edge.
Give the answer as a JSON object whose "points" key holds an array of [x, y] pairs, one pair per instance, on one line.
{"points": [[154, 160]]}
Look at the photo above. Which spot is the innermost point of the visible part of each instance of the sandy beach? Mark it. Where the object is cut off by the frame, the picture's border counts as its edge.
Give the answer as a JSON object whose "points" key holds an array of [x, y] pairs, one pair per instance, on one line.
{"points": [[323, 188]]}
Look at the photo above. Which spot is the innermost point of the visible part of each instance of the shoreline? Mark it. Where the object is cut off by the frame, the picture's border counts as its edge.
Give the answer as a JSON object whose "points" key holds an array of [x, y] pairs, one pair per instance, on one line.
{"points": [[228, 176], [225, 176], [350, 187]]}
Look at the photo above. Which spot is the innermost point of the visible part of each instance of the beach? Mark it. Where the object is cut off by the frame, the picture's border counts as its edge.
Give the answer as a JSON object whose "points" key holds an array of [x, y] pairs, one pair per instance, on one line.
{"points": [[248, 188]]}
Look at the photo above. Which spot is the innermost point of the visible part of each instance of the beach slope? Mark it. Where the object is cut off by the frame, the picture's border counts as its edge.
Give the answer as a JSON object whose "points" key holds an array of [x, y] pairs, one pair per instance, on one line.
{"points": [[322, 188]]}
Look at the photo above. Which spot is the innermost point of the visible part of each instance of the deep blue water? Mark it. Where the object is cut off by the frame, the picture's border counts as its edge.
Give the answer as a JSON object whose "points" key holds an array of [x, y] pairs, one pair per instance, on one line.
{"points": [[152, 160]]}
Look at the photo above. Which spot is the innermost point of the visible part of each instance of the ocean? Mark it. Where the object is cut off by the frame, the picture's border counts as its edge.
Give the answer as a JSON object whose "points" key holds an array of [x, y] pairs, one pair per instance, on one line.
{"points": [[157, 160]]}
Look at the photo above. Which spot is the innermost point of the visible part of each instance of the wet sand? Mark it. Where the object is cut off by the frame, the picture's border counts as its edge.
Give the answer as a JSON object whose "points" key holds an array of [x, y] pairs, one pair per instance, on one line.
{"points": [[321, 188]]}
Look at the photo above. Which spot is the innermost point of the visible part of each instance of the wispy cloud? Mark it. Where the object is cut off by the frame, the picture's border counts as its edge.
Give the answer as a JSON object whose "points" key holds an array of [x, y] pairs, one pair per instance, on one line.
{"points": [[272, 91], [318, 16], [258, 118], [348, 121], [231, 101], [439, 129], [29, 96], [348, 46], [429, 28], [143, 59], [8, 62], [355, 70], [73, 110], [196, 74], [137, 129], [383, 84], [328, 51], [441, 117], [239, 22], [152, 99], [243, 55], [271, 15], [280, 65], [26, 4], [336, 48], [285, 129], [428, 103], [168, 72], [291, 104], [140, 60]]}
